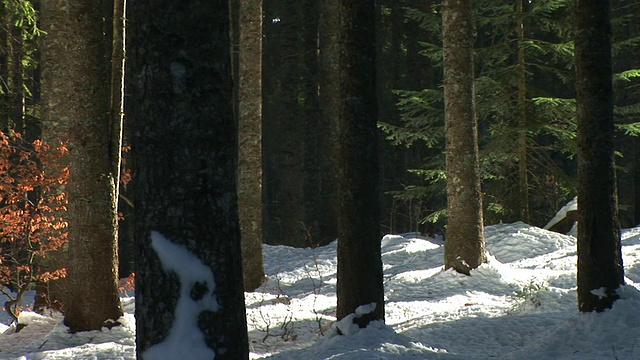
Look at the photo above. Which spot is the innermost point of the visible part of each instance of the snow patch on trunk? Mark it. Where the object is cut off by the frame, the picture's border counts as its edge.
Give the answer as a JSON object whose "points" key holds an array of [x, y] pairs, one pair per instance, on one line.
{"points": [[197, 294]]}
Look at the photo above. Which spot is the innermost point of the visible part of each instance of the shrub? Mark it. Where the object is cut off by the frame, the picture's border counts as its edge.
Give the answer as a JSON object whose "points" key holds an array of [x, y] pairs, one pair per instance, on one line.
{"points": [[31, 203]]}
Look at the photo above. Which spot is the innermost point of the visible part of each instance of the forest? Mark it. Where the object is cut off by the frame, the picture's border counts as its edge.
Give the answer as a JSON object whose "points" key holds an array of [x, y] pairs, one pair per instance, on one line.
{"points": [[164, 147]]}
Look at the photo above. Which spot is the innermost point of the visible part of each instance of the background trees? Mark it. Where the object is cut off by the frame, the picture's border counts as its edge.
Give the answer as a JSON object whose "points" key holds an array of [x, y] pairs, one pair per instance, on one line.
{"points": [[548, 122], [185, 153]]}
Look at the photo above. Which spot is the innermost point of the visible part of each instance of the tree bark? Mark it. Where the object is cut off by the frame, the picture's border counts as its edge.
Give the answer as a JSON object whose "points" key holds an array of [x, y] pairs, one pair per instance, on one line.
{"points": [[185, 157], [464, 245], [359, 255], [250, 198], [600, 271], [75, 61]]}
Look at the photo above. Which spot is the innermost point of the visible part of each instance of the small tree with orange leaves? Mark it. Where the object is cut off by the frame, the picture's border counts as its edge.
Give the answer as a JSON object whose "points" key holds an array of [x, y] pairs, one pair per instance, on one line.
{"points": [[31, 204]]}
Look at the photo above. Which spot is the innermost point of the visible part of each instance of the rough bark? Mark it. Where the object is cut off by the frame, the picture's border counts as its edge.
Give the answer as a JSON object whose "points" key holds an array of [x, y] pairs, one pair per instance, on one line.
{"points": [[76, 87], [600, 271], [185, 156], [359, 256], [250, 197], [464, 245]]}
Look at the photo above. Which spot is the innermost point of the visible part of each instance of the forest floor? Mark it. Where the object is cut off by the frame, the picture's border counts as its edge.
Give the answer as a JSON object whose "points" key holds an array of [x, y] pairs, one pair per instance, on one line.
{"points": [[521, 304]]}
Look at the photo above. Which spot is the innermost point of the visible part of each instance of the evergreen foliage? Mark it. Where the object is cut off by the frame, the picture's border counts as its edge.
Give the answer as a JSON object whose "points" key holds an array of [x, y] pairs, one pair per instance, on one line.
{"points": [[19, 46], [527, 129]]}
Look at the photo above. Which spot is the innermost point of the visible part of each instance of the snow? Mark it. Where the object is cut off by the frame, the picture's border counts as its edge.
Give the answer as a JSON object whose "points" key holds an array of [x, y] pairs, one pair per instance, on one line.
{"points": [[347, 326], [520, 305], [570, 206], [185, 340]]}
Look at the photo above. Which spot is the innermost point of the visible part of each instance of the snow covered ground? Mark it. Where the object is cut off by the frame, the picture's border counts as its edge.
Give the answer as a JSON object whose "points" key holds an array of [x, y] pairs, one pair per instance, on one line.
{"points": [[520, 305]]}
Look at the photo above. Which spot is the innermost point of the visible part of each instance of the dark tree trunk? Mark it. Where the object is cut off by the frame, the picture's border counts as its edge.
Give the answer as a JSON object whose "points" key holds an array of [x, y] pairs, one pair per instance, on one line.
{"points": [[464, 245], [185, 156], [600, 271], [284, 129], [76, 61], [359, 258], [329, 104], [250, 197]]}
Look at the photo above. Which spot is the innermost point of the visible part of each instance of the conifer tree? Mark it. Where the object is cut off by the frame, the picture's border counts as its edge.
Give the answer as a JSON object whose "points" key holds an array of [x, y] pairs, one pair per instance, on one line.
{"points": [[600, 271]]}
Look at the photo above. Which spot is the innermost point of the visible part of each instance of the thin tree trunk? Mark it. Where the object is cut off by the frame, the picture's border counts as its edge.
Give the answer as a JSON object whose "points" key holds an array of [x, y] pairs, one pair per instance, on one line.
{"points": [[250, 197], [329, 104], [464, 245], [116, 111], [523, 171]]}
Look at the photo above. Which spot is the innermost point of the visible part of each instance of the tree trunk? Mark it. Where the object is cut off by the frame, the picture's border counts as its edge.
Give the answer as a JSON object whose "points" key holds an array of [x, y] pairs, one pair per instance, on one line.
{"points": [[250, 141], [76, 62], [359, 256], [329, 104], [523, 169], [464, 245], [116, 109], [600, 271], [185, 156], [284, 132]]}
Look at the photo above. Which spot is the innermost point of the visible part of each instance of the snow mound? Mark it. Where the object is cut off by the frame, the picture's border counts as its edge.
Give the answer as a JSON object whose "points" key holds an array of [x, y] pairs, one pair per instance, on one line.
{"points": [[589, 336], [517, 241]]}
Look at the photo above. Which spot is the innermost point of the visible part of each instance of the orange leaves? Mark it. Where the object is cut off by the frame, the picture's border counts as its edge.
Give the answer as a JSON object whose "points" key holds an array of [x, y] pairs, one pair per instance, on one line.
{"points": [[31, 209], [127, 284]]}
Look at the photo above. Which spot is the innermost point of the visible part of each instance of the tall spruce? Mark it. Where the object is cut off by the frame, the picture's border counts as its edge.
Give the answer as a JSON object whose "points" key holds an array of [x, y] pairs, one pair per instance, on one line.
{"points": [[600, 271], [464, 247], [185, 156], [359, 254], [75, 60]]}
